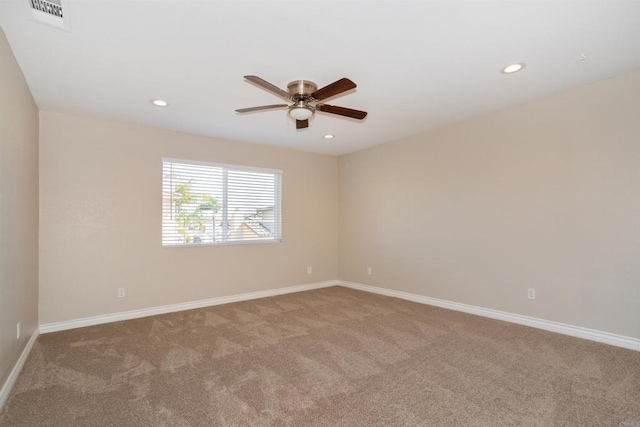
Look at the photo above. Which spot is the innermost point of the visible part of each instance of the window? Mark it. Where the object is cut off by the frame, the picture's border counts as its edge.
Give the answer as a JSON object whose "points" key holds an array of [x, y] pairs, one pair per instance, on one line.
{"points": [[209, 204]]}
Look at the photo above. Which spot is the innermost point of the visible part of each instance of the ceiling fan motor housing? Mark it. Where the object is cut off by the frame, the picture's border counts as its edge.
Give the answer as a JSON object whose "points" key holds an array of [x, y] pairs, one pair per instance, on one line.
{"points": [[301, 91], [301, 87]]}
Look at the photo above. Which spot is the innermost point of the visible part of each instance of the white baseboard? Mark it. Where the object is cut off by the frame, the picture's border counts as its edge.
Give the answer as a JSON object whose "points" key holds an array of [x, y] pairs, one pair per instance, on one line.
{"points": [[134, 314], [561, 328], [13, 375], [574, 331]]}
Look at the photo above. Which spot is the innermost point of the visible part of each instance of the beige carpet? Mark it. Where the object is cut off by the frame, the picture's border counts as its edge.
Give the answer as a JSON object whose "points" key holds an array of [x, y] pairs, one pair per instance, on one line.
{"points": [[329, 357]]}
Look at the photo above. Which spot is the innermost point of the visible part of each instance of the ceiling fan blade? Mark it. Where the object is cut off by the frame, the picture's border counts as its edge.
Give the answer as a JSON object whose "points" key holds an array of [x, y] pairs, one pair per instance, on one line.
{"points": [[342, 111], [264, 107], [268, 86], [301, 124], [334, 88]]}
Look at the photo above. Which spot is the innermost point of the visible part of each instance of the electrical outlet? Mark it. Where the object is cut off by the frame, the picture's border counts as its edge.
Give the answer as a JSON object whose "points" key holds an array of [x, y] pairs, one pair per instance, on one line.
{"points": [[531, 294], [121, 293], [18, 331], [309, 270], [369, 271]]}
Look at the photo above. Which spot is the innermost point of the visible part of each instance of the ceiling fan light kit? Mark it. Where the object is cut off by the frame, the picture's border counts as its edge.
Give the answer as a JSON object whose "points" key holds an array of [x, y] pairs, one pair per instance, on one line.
{"points": [[305, 97], [301, 113]]}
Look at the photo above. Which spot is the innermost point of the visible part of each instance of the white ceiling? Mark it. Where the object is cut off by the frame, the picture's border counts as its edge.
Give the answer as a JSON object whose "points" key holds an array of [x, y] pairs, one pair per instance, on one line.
{"points": [[418, 65]]}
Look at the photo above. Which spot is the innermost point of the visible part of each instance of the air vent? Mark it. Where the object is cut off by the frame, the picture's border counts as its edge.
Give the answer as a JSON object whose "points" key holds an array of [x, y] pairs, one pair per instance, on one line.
{"points": [[52, 7], [50, 12]]}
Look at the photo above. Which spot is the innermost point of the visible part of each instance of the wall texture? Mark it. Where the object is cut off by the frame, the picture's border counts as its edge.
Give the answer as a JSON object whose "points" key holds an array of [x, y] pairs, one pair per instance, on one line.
{"points": [[18, 210], [100, 220], [545, 195]]}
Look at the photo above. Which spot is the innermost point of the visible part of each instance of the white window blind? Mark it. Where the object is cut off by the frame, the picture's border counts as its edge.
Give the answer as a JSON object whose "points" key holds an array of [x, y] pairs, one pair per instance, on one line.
{"points": [[219, 204]]}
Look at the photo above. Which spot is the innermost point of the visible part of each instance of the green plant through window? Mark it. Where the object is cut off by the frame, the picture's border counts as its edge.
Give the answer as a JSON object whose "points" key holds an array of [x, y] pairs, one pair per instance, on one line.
{"points": [[190, 209]]}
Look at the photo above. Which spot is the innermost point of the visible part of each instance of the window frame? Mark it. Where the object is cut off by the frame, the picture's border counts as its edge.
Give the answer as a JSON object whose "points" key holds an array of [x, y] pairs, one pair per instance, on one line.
{"points": [[242, 168]]}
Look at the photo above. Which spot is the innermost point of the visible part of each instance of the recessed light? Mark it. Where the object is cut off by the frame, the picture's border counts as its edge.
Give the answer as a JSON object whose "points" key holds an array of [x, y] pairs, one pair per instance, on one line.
{"points": [[328, 136], [159, 102], [513, 68]]}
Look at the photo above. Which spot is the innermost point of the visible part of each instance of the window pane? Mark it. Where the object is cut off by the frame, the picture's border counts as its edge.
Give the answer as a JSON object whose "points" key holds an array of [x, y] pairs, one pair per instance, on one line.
{"points": [[192, 201], [212, 204], [251, 205]]}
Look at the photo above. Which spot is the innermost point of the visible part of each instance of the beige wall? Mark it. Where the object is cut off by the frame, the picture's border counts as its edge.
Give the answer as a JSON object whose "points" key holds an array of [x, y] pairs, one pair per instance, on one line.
{"points": [[544, 195], [18, 210], [100, 220]]}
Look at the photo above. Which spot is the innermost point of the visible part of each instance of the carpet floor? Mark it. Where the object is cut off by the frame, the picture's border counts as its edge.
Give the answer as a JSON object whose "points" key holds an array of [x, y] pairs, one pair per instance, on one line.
{"points": [[327, 357]]}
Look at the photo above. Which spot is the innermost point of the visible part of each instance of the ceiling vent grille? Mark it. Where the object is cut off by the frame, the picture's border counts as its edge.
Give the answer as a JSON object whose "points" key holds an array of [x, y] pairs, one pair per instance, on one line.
{"points": [[50, 12], [49, 7]]}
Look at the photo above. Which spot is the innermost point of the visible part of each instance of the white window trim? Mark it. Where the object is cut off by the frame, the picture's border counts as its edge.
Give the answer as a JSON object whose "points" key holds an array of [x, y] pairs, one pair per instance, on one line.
{"points": [[278, 200], [222, 165]]}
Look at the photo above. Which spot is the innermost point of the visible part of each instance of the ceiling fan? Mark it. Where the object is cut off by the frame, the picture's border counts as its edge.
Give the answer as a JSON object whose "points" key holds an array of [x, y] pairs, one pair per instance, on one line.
{"points": [[305, 97]]}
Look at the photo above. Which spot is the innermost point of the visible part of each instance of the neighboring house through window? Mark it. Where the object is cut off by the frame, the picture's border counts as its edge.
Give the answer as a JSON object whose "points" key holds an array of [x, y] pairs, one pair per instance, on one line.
{"points": [[207, 204]]}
